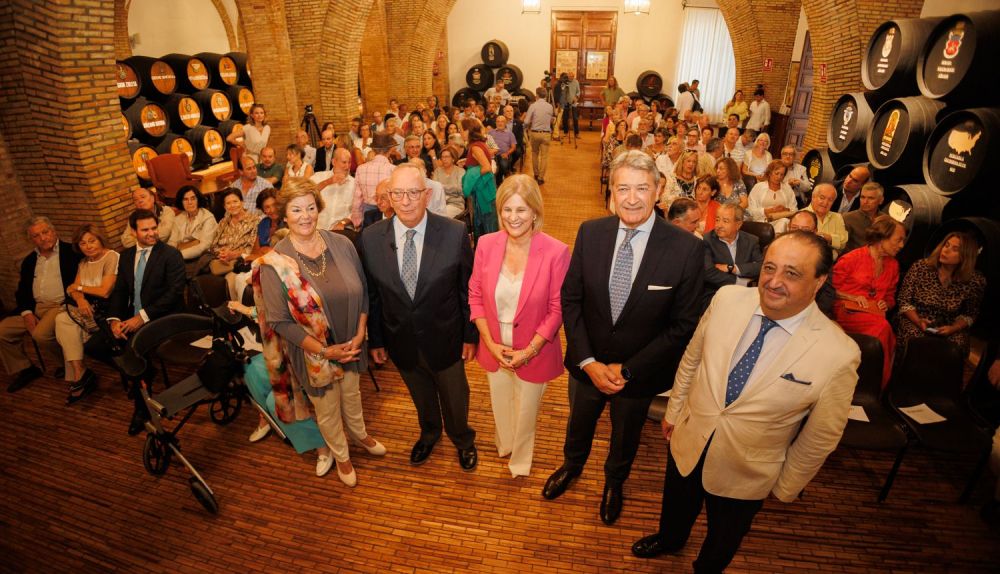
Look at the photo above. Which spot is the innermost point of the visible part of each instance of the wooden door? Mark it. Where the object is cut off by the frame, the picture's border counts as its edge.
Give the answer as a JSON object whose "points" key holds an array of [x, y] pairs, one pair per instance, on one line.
{"points": [[798, 117], [584, 33]]}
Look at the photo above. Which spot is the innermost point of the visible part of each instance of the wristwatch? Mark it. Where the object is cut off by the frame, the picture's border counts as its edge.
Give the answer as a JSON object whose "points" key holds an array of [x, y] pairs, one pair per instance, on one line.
{"points": [[626, 374], [729, 268]]}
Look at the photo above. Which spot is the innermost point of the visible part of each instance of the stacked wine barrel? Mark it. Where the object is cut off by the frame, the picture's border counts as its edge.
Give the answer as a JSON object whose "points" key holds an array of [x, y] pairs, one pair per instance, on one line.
{"points": [[929, 129], [649, 88], [482, 77], [182, 104]]}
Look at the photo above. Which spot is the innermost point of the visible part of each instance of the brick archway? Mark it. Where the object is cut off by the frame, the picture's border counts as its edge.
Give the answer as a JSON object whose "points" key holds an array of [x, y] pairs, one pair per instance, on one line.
{"points": [[762, 29]]}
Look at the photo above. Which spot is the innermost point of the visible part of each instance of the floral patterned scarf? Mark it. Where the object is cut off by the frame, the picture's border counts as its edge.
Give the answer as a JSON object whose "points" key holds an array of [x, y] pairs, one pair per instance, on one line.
{"points": [[306, 308]]}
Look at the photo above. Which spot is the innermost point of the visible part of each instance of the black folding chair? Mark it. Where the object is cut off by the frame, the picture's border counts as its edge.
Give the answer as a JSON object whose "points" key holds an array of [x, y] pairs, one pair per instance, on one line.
{"points": [[763, 231]]}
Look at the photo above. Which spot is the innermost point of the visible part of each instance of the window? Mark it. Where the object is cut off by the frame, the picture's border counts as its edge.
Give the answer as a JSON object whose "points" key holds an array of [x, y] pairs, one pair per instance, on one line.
{"points": [[707, 56]]}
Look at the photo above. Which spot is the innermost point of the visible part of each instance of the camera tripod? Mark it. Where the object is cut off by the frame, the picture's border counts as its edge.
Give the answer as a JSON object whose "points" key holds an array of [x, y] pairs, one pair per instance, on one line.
{"points": [[310, 126]]}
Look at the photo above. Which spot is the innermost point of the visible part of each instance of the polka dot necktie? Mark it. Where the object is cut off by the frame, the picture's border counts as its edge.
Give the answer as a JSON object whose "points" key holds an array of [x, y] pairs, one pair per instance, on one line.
{"points": [[621, 275], [409, 270], [740, 374]]}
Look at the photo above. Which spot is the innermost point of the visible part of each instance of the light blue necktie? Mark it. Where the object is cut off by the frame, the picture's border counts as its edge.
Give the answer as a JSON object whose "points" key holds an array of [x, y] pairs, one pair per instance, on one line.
{"points": [[741, 372], [621, 275], [140, 270], [409, 271]]}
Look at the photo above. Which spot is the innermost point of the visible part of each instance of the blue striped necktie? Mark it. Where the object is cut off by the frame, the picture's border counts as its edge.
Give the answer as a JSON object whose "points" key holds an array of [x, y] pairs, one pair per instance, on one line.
{"points": [[140, 270]]}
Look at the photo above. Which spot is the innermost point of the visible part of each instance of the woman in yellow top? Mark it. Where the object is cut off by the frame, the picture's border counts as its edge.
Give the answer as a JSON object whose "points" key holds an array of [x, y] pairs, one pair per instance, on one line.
{"points": [[738, 106]]}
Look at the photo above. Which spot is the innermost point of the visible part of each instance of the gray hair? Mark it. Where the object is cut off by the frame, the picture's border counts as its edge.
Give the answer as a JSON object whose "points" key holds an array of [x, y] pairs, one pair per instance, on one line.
{"points": [[38, 220], [637, 160], [736, 208], [713, 145], [871, 185]]}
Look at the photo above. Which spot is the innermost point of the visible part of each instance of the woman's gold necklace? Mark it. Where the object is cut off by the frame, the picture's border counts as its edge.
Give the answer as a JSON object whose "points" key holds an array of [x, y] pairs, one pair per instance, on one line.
{"points": [[322, 261]]}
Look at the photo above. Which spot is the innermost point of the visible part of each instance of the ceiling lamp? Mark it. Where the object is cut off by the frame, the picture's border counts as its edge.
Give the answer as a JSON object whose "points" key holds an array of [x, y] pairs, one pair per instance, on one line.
{"points": [[637, 7], [531, 6]]}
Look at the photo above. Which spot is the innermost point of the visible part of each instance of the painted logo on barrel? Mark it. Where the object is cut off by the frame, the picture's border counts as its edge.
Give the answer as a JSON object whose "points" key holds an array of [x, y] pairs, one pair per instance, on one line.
{"points": [[887, 46], [197, 74], [814, 169], [954, 43], [508, 78], [491, 54], [246, 100], [181, 145], [227, 71], [962, 141], [153, 120], [889, 133], [139, 161], [220, 106], [477, 77], [213, 143], [190, 112], [848, 113]]}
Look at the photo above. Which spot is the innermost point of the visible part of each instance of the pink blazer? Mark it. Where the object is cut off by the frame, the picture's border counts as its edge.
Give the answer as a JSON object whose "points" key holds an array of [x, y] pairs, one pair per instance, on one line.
{"points": [[539, 309]]}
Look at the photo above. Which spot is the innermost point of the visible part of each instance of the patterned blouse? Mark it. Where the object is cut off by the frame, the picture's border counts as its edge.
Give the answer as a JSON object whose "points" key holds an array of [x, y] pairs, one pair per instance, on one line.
{"points": [[236, 235], [938, 304]]}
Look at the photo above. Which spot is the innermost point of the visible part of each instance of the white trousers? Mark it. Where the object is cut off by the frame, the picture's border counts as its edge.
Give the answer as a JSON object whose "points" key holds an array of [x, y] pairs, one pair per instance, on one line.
{"points": [[339, 405], [515, 411]]}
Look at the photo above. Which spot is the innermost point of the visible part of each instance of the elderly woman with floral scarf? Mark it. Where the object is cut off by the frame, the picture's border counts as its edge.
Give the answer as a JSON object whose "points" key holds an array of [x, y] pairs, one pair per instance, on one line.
{"points": [[312, 302]]}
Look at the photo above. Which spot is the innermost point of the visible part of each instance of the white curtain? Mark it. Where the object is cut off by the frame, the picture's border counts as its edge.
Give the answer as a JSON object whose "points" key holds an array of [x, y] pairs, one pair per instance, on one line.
{"points": [[707, 56]]}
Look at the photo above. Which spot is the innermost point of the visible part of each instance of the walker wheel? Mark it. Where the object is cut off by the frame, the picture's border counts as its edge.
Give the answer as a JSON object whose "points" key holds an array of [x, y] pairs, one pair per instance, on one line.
{"points": [[226, 407], [155, 455], [204, 496]]}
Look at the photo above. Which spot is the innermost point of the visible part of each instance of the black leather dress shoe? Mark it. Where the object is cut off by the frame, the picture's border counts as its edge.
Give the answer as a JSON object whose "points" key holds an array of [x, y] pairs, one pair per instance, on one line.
{"points": [[60, 373], [23, 379], [420, 453], [137, 425], [611, 504], [468, 458], [651, 546], [559, 482]]}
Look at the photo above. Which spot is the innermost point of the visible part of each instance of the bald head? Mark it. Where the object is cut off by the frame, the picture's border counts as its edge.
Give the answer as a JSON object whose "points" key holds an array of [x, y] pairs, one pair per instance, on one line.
{"points": [[857, 178], [822, 199], [341, 160]]}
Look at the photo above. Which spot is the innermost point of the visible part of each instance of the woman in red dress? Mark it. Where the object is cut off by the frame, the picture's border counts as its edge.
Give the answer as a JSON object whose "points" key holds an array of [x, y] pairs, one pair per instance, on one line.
{"points": [[865, 280]]}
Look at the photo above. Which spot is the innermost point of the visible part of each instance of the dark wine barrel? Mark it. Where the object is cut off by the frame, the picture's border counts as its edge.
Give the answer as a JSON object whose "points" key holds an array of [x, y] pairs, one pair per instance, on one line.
{"points": [[479, 77], [174, 143], [963, 152], [899, 132], [464, 95], [228, 127], [127, 126], [849, 124], [215, 106], [183, 111], [192, 74], [959, 61], [511, 76], [890, 64], [209, 146], [157, 77], [139, 153], [240, 100], [526, 94], [495, 54], [128, 81], [148, 120], [987, 233], [649, 84], [222, 69], [242, 67], [920, 210], [822, 165], [664, 102]]}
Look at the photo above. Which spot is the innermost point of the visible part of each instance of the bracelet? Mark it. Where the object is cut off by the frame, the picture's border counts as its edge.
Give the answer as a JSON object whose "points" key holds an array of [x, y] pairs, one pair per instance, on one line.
{"points": [[321, 354], [534, 351]]}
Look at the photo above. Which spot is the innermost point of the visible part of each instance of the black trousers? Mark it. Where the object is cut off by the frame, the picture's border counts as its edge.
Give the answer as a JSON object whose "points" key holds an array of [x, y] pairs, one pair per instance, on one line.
{"points": [[729, 519], [438, 394], [568, 111], [628, 415], [98, 347]]}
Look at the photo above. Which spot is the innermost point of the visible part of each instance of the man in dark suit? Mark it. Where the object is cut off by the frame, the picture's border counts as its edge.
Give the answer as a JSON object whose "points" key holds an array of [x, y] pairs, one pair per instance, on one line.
{"points": [[150, 285], [732, 257], [324, 155], [418, 266], [630, 304], [849, 190], [41, 289]]}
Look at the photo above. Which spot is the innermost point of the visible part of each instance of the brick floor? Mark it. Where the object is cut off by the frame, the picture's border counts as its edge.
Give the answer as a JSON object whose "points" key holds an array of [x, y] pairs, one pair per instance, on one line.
{"points": [[75, 497]]}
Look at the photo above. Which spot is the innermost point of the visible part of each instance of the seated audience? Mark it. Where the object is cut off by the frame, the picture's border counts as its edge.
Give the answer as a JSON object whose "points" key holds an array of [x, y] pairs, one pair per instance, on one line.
{"points": [[831, 224], [235, 236], [732, 257], [308, 151], [324, 155], [685, 175], [666, 162], [269, 169], [705, 192], [712, 155], [95, 278], [858, 221], [506, 146], [731, 187], [450, 177], [337, 188], [659, 145], [382, 202], [865, 280], [143, 198], [437, 202], [296, 165], [431, 151], [41, 289], [941, 293], [363, 145], [757, 158], [806, 221], [345, 142], [772, 200], [732, 146], [849, 190], [250, 184], [413, 149], [684, 213], [795, 175], [613, 139], [194, 229]]}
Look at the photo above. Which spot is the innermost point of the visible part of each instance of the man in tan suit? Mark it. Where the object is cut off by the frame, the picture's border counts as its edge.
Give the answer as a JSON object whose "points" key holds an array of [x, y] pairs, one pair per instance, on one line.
{"points": [[760, 362]]}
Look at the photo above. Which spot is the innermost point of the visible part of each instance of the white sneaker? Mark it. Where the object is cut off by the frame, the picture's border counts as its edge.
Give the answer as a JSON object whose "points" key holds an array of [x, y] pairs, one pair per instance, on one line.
{"points": [[323, 464], [259, 433], [377, 450]]}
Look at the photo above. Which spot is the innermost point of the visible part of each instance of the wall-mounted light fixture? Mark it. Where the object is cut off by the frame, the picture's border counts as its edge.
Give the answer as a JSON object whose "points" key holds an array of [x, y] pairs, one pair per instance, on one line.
{"points": [[637, 7], [531, 6]]}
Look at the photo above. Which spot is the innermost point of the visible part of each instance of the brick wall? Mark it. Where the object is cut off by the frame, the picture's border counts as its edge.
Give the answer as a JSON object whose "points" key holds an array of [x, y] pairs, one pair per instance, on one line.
{"points": [[338, 69], [374, 63], [13, 245], [122, 47], [414, 36]]}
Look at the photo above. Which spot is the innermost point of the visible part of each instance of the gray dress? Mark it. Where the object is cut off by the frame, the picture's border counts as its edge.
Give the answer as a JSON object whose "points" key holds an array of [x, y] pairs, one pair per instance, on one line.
{"points": [[343, 291]]}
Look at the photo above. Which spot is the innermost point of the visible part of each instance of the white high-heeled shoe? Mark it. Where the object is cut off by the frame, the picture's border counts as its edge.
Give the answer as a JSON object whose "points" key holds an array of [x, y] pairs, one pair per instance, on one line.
{"points": [[377, 450], [350, 479], [259, 433]]}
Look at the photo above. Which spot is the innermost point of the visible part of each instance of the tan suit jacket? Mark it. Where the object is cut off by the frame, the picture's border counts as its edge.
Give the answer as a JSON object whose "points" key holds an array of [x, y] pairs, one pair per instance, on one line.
{"points": [[757, 445]]}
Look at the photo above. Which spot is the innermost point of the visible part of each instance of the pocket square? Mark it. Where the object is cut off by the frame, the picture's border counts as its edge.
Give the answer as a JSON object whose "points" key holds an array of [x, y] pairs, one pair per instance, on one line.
{"points": [[791, 377], [659, 287]]}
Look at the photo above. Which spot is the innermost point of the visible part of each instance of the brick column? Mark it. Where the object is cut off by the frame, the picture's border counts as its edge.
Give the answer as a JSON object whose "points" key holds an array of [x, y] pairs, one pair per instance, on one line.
{"points": [[414, 37], [338, 68], [374, 62]]}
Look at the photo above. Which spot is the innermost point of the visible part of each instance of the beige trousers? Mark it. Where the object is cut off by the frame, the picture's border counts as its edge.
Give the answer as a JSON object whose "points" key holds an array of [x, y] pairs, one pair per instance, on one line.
{"points": [[515, 411], [71, 338], [339, 405], [12, 331], [540, 152]]}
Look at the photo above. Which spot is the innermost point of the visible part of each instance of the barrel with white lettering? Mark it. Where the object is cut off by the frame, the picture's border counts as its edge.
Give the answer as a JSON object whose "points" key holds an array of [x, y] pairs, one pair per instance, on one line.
{"points": [[963, 152], [464, 95], [174, 143], [158, 80], [209, 146], [511, 76], [849, 123], [127, 127], [921, 211], [192, 74], [230, 127], [890, 64], [898, 134], [495, 53], [222, 70], [215, 106], [128, 82], [479, 77], [959, 61], [240, 100], [242, 67], [140, 154], [184, 112], [821, 165], [148, 120]]}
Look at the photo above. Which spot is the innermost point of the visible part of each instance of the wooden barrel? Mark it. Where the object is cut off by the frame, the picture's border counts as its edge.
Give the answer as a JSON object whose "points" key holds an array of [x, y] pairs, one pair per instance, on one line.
{"points": [[921, 211], [479, 77], [526, 94], [963, 152], [822, 165], [849, 124], [664, 101], [649, 84], [174, 143], [987, 233], [222, 70], [140, 152], [240, 100], [192, 74], [157, 77], [899, 132], [511, 76], [148, 120], [495, 53], [128, 81], [209, 146], [959, 61], [464, 95], [890, 64], [215, 106], [242, 67], [228, 127], [183, 111], [127, 126]]}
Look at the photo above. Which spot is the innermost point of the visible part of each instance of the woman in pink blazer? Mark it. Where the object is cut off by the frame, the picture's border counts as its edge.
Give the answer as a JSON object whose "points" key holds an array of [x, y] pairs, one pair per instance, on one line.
{"points": [[514, 297]]}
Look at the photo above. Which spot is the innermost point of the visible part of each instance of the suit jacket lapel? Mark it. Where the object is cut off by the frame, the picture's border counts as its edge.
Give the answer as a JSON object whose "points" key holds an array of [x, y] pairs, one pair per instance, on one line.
{"points": [[803, 339], [427, 256], [604, 246], [650, 261], [147, 274], [729, 339], [531, 271], [390, 260]]}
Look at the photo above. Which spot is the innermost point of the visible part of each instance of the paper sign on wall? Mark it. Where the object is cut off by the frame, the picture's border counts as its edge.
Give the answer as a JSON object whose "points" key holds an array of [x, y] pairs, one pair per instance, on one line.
{"points": [[768, 64], [822, 73]]}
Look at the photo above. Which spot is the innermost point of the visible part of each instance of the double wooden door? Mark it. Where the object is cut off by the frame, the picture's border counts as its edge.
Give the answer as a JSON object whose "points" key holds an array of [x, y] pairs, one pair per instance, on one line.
{"points": [[589, 35]]}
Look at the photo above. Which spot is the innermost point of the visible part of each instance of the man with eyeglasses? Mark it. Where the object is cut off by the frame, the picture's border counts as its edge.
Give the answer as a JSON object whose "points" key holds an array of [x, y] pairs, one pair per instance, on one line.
{"points": [[418, 266]]}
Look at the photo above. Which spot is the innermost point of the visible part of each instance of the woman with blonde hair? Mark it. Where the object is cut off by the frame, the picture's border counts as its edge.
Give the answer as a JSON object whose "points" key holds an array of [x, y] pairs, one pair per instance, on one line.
{"points": [[514, 297], [756, 160]]}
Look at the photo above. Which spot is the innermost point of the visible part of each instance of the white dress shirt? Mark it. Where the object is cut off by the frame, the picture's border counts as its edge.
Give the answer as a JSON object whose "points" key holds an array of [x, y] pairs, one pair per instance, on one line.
{"points": [[774, 342], [135, 265], [731, 246], [47, 286], [438, 203], [399, 232], [337, 199]]}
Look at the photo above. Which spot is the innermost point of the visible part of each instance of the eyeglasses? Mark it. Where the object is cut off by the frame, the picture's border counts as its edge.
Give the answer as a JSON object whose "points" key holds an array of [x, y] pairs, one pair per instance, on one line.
{"points": [[413, 194]]}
